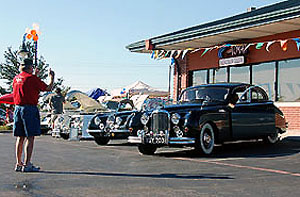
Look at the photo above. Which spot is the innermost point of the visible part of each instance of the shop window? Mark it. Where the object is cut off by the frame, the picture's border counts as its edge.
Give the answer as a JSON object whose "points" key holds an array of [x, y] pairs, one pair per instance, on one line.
{"points": [[240, 74], [199, 77], [263, 75], [289, 80], [221, 75]]}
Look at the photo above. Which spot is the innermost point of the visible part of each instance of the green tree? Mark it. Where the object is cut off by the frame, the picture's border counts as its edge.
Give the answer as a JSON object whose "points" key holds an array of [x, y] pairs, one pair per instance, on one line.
{"points": [[10, 68]]}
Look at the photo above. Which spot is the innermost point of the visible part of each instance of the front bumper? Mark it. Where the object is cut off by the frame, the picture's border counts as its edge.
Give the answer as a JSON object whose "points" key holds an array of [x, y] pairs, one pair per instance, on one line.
{"points": [[115, 134], [142, 139]]}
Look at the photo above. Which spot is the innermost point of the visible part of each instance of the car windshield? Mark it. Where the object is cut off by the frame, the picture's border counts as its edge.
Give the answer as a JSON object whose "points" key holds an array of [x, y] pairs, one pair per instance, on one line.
{"points": [[200, 94]]}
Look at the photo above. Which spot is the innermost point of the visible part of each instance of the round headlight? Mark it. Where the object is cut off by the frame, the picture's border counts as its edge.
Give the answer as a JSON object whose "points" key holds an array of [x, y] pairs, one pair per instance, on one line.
{"points": [[61, 119], [144, 119], [118, 120], [77, 120], [97, 121], [175, 118], [101, 126]]}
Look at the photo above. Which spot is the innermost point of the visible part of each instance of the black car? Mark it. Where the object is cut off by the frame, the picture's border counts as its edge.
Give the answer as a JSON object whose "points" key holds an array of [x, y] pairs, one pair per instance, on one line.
{"points": [[210, 114], [105, 127]]}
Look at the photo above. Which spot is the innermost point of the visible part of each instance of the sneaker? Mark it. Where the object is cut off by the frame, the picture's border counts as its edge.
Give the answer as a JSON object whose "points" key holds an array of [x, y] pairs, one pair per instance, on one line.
{"points": [[18, 168], [31, 168]]}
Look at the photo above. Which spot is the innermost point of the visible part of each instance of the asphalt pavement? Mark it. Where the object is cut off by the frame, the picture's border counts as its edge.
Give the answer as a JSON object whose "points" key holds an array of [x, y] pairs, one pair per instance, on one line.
{"points": [[83, 168]]}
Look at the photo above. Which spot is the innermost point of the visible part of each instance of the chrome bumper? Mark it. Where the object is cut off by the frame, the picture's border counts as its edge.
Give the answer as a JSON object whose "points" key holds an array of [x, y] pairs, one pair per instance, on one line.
{"points": [[171, 141]]}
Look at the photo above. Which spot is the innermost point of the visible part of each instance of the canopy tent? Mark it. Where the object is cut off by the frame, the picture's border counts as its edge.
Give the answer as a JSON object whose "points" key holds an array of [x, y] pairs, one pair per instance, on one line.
{"points": [[96, 93], [139, 87]]}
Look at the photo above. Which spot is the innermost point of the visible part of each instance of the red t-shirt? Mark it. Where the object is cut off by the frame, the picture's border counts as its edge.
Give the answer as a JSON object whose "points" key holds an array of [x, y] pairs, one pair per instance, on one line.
{"points": [[26, 89]]}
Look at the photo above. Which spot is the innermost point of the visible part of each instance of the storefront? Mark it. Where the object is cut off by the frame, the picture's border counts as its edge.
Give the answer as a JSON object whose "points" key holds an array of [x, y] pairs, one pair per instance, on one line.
{"points": [[261, 46]]}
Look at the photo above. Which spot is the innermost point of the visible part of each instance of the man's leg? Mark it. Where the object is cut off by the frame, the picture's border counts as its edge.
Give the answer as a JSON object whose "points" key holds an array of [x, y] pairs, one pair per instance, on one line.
{"points": [[29, 149], [19, 149]]}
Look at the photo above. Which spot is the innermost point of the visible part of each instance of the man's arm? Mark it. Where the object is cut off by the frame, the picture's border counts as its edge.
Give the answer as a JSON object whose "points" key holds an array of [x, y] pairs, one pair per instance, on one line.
{"points": [[50, 86]]}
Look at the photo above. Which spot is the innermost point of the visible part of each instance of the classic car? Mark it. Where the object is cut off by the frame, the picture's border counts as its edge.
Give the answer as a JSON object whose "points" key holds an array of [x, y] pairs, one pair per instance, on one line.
{"points": [[78, 110], [210, 114], [105, 127]]}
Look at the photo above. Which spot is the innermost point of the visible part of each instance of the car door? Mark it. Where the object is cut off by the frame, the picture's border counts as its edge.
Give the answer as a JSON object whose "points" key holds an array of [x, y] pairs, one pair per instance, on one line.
{"points": [[253, 115]]}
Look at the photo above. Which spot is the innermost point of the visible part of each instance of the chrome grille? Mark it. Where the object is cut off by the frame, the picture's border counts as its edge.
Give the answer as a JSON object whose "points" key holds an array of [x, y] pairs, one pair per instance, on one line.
{"points": [[160, 122]]}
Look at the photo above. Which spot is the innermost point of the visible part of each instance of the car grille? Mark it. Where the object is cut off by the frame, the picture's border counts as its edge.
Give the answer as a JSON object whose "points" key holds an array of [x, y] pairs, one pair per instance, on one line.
{"points": [[160, 122]]}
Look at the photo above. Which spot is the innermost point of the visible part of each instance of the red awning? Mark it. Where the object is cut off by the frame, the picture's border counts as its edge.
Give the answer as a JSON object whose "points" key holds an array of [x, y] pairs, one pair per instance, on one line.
{"points": [[7, 98]]}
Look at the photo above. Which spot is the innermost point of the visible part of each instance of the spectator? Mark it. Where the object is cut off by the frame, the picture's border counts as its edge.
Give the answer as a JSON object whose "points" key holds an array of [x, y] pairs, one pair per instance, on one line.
{"points": [[26, 89], [9, 114], [56, 105]]}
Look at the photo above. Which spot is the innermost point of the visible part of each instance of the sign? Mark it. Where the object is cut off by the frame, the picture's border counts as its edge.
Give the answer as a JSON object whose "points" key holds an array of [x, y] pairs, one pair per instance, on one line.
{"points": [[231, 61]]}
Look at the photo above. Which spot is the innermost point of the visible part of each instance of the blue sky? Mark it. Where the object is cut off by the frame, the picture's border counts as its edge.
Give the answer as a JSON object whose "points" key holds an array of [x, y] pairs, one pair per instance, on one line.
{"points": [[84, 41]]}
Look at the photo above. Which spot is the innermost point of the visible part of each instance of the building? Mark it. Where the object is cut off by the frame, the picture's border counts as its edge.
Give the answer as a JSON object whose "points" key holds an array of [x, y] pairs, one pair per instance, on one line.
{"points": [[260, 46]]}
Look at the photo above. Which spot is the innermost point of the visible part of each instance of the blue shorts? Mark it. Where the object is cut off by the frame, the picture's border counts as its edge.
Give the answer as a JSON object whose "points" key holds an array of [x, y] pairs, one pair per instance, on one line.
{"points": [[26, 121]]}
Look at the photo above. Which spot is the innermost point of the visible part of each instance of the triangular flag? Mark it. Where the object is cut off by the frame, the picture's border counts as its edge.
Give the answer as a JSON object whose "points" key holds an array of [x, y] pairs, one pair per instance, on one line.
{"points": [[207, 49], [161, 53], [152, 55], [156, 54], [297, 40], [269, 44], [259, 45], [283, 44], [249, 45], [178, 54], [167, 53], [172, 53], [196, 50], [172, 61], [184, 53]]}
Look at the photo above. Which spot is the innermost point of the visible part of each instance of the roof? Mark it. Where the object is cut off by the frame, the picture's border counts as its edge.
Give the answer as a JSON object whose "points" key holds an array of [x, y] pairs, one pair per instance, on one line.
{"points": [[223, 85], [269, 20]]}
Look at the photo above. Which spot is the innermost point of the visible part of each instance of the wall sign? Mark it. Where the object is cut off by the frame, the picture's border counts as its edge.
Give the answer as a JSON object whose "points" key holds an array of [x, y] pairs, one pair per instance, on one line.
{"points": [[232, 61]]}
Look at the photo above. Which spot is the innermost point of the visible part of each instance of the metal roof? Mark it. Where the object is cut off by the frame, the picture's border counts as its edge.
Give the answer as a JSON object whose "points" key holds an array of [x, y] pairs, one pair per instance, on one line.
{"points": [[269, 20]]}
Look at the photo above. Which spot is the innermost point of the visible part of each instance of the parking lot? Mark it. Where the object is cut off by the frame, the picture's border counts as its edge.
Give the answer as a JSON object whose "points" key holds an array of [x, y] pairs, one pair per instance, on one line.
{"points": [[82, 168]]}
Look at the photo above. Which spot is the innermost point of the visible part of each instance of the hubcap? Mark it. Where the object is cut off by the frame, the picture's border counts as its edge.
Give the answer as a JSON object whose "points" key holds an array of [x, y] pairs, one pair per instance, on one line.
{"points": [[207, 139]]}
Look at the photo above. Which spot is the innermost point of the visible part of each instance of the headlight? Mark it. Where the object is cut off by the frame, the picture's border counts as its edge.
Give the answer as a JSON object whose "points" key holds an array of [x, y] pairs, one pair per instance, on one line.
{"points": [[110, 120], [60, 119], [77, 120], [144, 119], [97, 121], [175, 118], [118, 120]]}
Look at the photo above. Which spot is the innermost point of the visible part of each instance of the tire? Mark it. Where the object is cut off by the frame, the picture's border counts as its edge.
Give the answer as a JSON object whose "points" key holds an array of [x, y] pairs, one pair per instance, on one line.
{"points": [[273, 138], [101, 140], [65, 136], [206, 140], [147, 149]]}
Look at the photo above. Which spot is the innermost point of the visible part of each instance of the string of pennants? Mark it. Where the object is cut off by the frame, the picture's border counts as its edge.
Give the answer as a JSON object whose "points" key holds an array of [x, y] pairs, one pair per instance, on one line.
{"points": [[162, 54]]}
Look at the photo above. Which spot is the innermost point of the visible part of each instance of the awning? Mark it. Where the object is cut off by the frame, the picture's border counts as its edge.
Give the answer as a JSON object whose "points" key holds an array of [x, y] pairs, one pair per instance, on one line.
{"points": [[269, 20]]}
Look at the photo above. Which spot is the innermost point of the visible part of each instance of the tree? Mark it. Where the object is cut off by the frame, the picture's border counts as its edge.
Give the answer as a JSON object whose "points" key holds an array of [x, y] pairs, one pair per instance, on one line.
{"points": [[10, 68]]}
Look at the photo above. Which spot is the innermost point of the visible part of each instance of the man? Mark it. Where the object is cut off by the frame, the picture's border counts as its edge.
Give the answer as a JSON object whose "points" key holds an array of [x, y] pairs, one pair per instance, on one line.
{"points": [[26, 89], [56, 105]]}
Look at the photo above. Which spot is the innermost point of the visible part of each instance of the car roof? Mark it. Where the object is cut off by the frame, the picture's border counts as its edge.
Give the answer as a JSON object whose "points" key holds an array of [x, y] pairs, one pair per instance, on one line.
{"points": [[225, 85]]}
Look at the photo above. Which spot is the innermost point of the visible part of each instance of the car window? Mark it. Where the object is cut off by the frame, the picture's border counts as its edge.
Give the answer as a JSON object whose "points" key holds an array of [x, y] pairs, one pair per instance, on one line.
{"points": [[258, 95], [204, 93]]}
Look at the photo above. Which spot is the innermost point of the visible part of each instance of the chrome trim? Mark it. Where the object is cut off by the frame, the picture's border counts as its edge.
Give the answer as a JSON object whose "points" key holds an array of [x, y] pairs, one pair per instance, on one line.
{"points": [[119, 131], [135, 139], [95, 131], [182, 140]]}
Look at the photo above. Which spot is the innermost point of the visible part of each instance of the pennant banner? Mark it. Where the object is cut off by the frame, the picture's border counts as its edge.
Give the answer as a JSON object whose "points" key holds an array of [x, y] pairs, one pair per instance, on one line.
{"points": [[161, 54]]}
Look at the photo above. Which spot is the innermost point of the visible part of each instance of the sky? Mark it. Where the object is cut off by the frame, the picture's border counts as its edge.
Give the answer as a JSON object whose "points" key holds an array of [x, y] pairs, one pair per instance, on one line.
{"points": [[84, 41]]}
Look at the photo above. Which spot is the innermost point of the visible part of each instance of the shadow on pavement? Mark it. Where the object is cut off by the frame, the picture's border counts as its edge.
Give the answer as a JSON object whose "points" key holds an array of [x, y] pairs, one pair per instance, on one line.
{"points": [[254, 149], [157, 176]]}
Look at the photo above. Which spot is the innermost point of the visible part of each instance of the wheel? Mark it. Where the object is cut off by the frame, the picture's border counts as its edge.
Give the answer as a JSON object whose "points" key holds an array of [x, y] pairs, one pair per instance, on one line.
{"points": [[65, 136], [147, 149], [206, 141], [101, 140], [273, 138]]}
